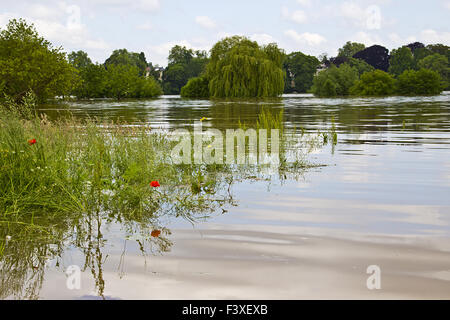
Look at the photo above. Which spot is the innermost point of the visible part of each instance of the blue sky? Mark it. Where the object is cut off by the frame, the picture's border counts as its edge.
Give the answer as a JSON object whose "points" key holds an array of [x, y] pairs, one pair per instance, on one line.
{"points": [[154, 26]]}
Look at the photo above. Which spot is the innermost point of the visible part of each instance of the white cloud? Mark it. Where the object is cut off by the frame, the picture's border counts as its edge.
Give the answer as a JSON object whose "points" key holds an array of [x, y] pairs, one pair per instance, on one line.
{"points": [[311, 39], [365, 17], [306, 3], [144, 5], [159, 53], [447, 4], [297, 16], [262, 38], [52, 24], [431, 36], [205, 22], [145, 26]]}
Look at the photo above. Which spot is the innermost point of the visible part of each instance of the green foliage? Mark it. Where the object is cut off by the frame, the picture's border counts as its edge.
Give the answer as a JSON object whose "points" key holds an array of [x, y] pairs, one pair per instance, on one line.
{"points": [[123, 57], [360, 65], [29, 62], [241, 68], [79, 59], [374, 83], [93, 82], [300, 70], [335, 81], [401, 59], [438, 63], [184, 64], [441, 49], [196, 88], [123, 81], [419, 54], [174, 78], [329, 89], [350, 48], [147, 88], [422, 82]]}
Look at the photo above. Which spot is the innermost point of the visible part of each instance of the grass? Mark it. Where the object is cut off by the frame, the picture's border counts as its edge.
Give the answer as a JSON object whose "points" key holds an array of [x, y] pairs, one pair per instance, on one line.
{"points": [[59, 191]]}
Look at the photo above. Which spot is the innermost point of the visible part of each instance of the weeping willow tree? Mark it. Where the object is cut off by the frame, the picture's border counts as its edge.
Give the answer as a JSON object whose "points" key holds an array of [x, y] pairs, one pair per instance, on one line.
{"points": [[241, 68]]}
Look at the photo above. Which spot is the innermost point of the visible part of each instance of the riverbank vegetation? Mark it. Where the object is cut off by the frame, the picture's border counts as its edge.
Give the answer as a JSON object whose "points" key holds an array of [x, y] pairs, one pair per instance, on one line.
{"points": [[236, 67]]}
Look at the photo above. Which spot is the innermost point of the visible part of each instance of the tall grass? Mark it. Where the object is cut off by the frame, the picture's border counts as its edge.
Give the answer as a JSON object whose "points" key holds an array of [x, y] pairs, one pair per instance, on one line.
{"points": [[79, 166]]}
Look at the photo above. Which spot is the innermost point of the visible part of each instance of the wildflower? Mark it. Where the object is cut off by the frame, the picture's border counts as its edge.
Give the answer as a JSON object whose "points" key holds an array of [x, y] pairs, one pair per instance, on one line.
{"points": [[155, 233], [155, 184], [32, 141], [8, 238], [203, 119]]}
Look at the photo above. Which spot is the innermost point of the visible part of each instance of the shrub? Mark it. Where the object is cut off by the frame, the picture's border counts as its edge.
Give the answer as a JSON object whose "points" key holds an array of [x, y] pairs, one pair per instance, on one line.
{"points": [[422, 82], [374, 83], [196, 88]]}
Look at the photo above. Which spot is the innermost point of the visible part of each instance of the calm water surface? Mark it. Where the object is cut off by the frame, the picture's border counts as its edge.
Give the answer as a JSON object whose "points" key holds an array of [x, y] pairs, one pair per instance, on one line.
{"points": [[387, 176]]}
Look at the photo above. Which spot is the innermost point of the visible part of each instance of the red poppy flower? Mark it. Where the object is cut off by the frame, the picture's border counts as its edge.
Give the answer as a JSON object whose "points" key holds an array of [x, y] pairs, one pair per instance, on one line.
{"points": [[155, 184], [155, 233], [32, 141]]}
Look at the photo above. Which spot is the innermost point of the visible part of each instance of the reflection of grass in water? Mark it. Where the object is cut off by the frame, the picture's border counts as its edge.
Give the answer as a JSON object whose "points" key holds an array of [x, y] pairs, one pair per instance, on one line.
{"points": [[59, 191]]}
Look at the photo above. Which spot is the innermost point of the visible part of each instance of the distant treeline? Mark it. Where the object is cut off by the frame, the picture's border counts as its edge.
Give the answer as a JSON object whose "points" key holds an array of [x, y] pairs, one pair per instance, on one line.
{"points": [[234, 67]]}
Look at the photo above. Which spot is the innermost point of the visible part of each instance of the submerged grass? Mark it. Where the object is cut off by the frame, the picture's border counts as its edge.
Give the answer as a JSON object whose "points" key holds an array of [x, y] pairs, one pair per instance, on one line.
{"points": [[72, 166]]}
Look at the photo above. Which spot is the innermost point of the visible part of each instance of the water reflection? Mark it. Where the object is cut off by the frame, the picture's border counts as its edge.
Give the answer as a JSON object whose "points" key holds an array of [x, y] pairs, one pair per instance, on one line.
{"points": [[389, 175]]}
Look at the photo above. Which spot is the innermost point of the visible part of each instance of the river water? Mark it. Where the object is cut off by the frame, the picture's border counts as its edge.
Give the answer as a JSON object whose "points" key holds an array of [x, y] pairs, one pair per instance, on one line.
{"points": [[381, 196]]}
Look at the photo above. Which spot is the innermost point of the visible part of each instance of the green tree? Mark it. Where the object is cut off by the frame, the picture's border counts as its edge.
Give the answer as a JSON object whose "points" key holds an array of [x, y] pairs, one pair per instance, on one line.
{"points": [[374, 83], [79, 59], [174, 78], [422, 82], [122, 81], [401, 59], [29, 62], [360, 65], [184, 64], [93, 82], [124, 57], [350, 48], [196, 88], [147, 88], [441, 49], [438, 63], [341, 79], [300, 70], [239, 67]]}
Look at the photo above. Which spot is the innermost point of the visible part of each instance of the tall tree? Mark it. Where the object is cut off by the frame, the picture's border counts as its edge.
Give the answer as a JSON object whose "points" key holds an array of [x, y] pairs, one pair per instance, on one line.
{"points": [[350, 48], [241, 68], [401, 60], [124, 57], [79, 59], [300, 69], [184, 64], [29, 62], [377, 56]]}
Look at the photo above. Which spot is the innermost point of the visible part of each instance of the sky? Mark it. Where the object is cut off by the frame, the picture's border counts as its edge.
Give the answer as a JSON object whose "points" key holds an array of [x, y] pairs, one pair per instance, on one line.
{"points": [[154, 26]]}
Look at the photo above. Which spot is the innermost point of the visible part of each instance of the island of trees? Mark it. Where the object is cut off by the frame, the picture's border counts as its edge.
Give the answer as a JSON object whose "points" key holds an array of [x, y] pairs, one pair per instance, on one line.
{"points": [[235, 67]]}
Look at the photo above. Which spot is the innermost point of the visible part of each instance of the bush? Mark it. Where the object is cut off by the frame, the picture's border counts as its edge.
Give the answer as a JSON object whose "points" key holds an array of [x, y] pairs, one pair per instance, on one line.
{"points": [[375, 83], [341, 79], [148, 88], [422, 82], [196, 88]]}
